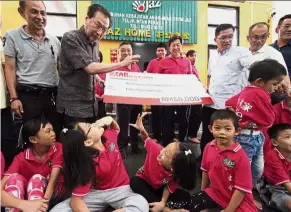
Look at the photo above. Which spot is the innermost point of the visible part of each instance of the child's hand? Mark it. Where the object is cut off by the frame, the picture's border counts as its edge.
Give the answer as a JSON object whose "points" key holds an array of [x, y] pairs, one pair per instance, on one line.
{"points": [[157, 206], [138, 124], [106, 121], [39, 205]]}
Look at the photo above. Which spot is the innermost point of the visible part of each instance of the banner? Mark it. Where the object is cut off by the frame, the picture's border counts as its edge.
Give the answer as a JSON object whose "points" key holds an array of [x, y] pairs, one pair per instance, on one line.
{"points": [[154, 89], [151, 21]]}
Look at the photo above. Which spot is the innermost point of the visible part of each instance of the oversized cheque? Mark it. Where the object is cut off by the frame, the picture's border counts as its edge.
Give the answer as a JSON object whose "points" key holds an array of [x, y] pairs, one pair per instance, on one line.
{"points": [[154, 89]]}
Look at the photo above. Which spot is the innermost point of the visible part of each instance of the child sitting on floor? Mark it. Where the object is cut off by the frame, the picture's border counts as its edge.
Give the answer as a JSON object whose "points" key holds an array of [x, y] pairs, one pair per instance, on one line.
{"points": [[282, 115], [277, 171], [34, 173], [164, 170], [226, 178]]}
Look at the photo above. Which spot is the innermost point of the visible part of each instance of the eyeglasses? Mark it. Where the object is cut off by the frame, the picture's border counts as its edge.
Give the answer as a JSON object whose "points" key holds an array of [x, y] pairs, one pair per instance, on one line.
{"points": [[224, 38], [88, 131], [99, 27], [262, 38], [285, 27]]}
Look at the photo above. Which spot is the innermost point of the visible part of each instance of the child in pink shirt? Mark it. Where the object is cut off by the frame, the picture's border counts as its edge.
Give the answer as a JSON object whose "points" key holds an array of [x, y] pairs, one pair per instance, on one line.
{"points": [[282, 115], [226, 178], [253, 107], [164, 170]]}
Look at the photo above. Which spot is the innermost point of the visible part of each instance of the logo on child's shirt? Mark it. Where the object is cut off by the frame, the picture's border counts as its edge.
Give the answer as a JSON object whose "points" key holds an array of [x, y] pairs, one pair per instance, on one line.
{"points": [[228, 162], [111, 147]]}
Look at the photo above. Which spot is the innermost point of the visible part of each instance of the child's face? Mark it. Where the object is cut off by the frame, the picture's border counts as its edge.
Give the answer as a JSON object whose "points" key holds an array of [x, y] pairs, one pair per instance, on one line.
{"points": [[92, 131], [223, 131], [46, 135], [283, 141], [272, 85], [166, 155]]}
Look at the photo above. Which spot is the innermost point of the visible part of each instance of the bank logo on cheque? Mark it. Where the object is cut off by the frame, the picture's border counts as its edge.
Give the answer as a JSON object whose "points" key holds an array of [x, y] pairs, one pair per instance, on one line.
{"points": [[144, 6]]}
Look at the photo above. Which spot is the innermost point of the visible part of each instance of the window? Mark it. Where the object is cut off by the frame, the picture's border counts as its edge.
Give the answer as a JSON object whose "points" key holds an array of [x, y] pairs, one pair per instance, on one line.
{"points": [[61, 17], [220, 15]]}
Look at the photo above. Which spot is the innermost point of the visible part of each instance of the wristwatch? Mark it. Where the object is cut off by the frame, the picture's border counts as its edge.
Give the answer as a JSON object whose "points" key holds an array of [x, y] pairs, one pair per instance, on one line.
{"points": [[13, 99]]}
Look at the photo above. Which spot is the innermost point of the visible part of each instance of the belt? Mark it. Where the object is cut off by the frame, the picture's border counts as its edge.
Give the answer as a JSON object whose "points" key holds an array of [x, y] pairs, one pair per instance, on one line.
{"points": [[36, 89], [250, 132]]}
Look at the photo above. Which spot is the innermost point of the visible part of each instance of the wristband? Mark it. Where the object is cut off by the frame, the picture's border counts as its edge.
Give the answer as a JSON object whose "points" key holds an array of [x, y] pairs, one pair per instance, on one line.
{"points": [[13, 99]]}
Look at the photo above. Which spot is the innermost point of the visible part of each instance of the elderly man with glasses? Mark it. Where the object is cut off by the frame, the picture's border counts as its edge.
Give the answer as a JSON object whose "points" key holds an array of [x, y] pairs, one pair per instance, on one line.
{"points": [[79, 65]]}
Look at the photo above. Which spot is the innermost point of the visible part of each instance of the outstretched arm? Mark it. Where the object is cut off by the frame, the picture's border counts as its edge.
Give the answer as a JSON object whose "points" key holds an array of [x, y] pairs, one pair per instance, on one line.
{"points": [[139, 126]]}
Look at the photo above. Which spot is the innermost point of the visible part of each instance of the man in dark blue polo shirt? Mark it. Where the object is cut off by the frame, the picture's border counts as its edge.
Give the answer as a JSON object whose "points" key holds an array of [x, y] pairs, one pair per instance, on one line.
{"points": [[283, 44]]}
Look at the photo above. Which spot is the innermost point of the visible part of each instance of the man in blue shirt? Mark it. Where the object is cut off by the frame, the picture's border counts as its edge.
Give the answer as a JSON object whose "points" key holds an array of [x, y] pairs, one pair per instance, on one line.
{"points": [[283, 44]]}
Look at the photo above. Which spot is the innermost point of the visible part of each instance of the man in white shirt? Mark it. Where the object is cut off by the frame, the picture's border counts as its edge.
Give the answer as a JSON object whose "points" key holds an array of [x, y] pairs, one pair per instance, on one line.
{"points": [[257, 37], [225, 70]]}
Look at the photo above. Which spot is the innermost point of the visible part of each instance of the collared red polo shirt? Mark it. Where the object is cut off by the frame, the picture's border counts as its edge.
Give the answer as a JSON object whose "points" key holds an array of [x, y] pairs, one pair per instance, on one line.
{"points": [[152, 171], [26, 165], [110, 170], [282, 112], [170, 65], [153, 66], [228, 170], [277, 169], [133, 68], [252, 106]]}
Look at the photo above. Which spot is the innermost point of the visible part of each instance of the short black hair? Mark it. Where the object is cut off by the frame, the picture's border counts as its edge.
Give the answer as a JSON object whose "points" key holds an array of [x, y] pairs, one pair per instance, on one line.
{"points": [[22, 4], [125, 43], [190, 53], [184, 166], [225, 114], [31, 128], [94, 8], [222, 27], [259, 24], [175, 37], [274, 131], [161, 45], [266, 69], [283, 18]]}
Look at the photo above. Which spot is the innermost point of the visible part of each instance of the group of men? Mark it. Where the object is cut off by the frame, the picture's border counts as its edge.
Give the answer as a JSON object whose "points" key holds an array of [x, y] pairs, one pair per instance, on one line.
{"points": [[56, 80]]}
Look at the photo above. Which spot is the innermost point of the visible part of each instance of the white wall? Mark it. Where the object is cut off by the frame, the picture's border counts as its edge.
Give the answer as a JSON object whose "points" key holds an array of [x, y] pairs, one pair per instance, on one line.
{"points": [[281, 8]]}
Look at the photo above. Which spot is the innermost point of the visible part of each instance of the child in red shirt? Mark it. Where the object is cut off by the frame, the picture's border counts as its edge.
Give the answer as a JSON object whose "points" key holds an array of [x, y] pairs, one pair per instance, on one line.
{"points": [[226, 169], [94, 172], [282, 115], [277, 171], [36, 170], [164, 170], [253, 107]]}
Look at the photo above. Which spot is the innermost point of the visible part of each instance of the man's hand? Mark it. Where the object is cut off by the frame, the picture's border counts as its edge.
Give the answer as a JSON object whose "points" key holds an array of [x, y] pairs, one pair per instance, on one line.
{"points": [[97, 97], [130, 59], [138, 124], [157, 206], [285, 86], [16, 107], [40, 205]]}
